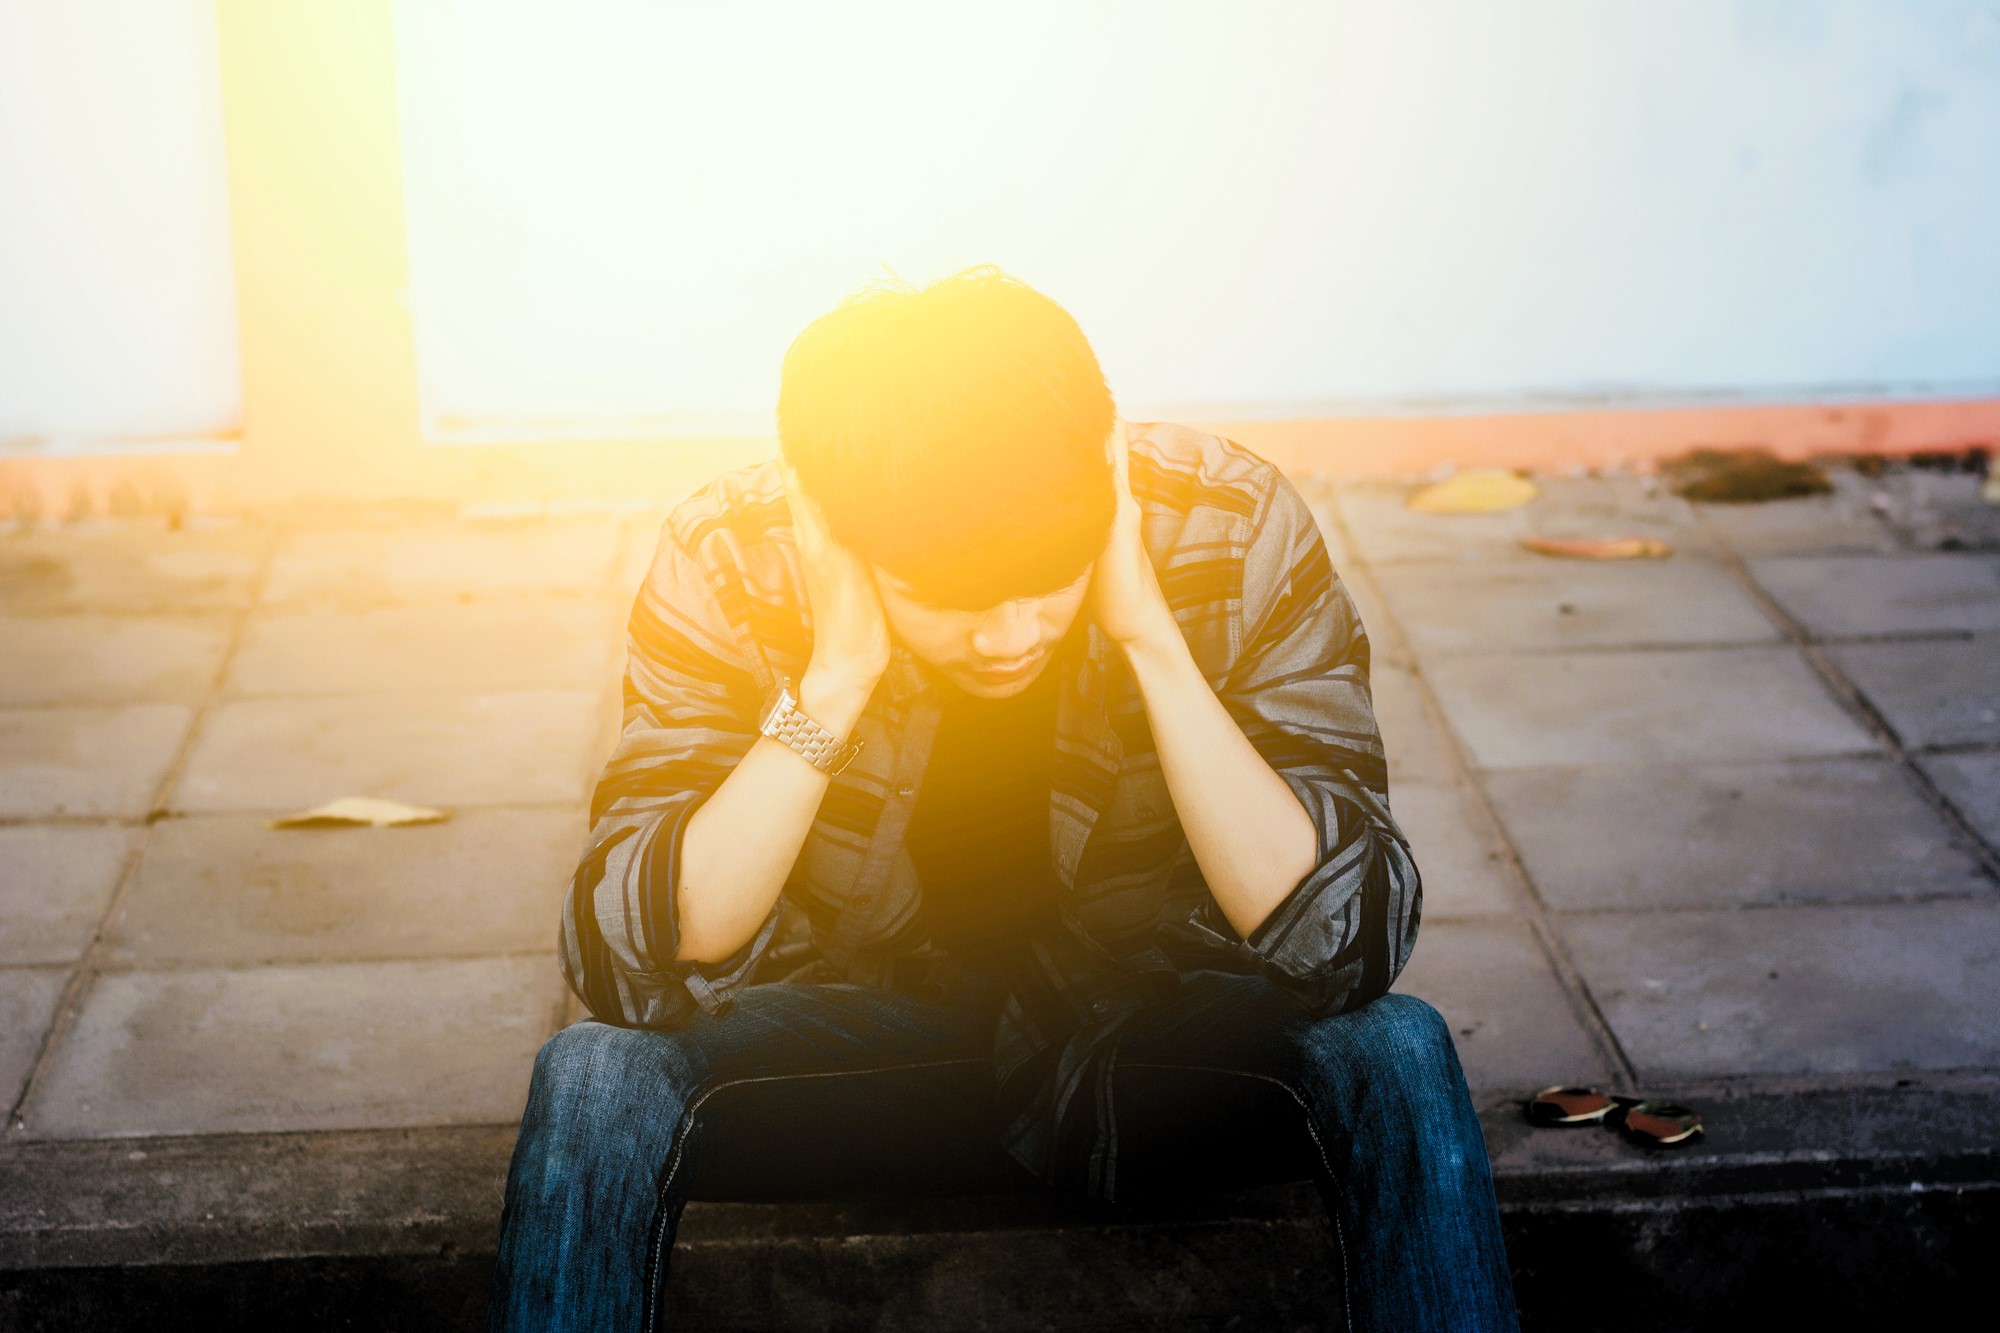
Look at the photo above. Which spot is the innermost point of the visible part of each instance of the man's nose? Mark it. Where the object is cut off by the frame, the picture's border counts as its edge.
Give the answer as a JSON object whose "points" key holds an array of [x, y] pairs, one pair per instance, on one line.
{"points": [[1010, 631]]}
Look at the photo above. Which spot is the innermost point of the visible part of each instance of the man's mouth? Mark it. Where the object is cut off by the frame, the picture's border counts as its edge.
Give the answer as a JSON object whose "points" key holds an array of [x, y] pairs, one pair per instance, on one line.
{"points": [[1008, 670]]}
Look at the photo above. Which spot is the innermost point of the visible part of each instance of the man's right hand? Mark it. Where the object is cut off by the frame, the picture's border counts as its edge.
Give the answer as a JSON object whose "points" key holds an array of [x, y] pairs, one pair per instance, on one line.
{"points": [[743, 841], [850, 629]]}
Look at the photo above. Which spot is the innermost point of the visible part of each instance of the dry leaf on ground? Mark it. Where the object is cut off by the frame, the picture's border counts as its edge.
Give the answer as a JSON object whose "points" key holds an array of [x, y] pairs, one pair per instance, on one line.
{"points": [[1599, 548], [1741, 476], [1482, 491], [361, 811]]}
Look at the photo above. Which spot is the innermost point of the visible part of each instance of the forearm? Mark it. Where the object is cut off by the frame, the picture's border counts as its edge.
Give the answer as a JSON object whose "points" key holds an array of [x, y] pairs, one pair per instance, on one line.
{"points": [[741, 843], [1249, 833]]}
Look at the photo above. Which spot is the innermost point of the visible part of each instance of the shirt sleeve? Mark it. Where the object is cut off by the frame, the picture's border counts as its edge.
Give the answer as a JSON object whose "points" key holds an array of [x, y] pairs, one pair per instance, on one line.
{"points": [[1299, 690], [690, 698]]}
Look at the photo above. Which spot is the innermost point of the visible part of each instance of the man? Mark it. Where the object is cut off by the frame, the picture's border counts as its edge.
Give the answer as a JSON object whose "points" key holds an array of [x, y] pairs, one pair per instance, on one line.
{"points": [[999, 805]]}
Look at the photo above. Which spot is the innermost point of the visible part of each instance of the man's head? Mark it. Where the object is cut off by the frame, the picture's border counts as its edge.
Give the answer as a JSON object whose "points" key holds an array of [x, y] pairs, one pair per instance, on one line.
{"points": [[954, 438]]}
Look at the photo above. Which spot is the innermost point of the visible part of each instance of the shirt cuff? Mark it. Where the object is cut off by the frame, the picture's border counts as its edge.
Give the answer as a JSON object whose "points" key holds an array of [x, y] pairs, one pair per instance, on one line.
{"points": [[714, 985]]}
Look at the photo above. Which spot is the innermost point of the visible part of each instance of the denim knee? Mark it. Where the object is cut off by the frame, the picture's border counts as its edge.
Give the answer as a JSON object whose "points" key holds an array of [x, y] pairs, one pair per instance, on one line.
{"points": [[1417, 1032], [1396, 1049], [590, 1075]]}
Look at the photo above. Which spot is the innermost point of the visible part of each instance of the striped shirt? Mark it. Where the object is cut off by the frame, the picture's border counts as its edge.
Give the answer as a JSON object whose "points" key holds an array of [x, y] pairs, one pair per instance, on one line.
{"points": [[722, 617]]}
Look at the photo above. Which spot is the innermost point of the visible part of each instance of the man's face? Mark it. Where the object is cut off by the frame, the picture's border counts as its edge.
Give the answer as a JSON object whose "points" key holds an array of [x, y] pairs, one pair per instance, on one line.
{"points": [[992, 653]]}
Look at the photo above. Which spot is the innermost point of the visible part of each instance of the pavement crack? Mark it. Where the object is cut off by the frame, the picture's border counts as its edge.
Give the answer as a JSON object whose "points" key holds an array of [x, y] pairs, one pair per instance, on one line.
{"points": [[87, 968], [1535, 910], [1849, 695]]}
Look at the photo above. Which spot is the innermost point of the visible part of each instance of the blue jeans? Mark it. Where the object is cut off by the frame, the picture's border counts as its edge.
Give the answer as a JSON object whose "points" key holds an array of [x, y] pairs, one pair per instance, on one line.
{"points": [[842, 1091]]}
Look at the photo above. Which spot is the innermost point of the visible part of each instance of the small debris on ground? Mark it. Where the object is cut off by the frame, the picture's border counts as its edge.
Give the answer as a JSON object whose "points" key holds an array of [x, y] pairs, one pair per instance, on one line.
{"points": [[361, 812], [1741, 476], [1976, 459], [1599, 548], [1482, 491]]}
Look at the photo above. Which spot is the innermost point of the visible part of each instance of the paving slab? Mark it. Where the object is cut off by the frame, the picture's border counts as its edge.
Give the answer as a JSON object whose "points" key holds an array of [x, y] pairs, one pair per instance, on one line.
{"points": [[1651, 707], [109, 659], [55, 883], [131, 568], [1846, 520], [360, 570], [1971, 782], [1387, 531], [28, 997], [227, 889], [1856, 595], [1554, 604], [309, 1046], [1515, 1027], [1797, 990], [1417, 750], [1936, 693], [1730, 835], [87, 761], [1385, 646], [1459, 853], [1319, 498], [530, 747], [477, 648]]}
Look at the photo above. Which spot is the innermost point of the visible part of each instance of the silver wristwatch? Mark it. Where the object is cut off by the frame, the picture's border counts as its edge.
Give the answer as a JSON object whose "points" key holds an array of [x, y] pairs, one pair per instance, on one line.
{"points": [[784, 721]]}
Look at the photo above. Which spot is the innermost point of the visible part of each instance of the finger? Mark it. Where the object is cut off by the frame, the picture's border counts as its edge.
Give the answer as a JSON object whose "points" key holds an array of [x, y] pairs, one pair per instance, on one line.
{"points": [[1120, 450]]}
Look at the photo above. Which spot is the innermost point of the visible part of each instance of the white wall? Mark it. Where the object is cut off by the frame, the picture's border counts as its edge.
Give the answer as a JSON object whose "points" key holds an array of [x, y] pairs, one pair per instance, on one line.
{"points": [[117, 310], [620, 213], [623, 211]]}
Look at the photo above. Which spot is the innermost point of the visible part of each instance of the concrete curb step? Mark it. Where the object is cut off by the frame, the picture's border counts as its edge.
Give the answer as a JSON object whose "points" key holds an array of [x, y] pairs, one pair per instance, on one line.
{"points": [[1805, 1202]]}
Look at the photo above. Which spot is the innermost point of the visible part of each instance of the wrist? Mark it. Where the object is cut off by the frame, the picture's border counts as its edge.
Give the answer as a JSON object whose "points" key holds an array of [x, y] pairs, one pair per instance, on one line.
{"points": [[835, 697], [1158, 643]]}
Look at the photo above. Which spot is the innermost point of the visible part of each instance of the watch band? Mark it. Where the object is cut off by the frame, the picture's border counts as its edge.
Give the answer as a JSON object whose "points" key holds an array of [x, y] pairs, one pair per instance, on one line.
{"points": [[785, 721]]}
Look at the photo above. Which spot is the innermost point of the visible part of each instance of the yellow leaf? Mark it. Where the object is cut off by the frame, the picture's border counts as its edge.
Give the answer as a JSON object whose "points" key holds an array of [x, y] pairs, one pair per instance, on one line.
{"points": [[1599, 548], [356, 811], [1482, 491]]}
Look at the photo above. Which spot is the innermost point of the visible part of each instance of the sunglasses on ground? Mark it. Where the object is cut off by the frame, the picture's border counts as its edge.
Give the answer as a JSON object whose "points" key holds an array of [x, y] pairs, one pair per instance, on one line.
{"points": [[1656, 1124]]}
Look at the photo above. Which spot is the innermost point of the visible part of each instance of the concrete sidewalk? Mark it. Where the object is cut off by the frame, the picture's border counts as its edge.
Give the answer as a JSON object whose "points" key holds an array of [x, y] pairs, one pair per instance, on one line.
{"points": [[1724, 826]]}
